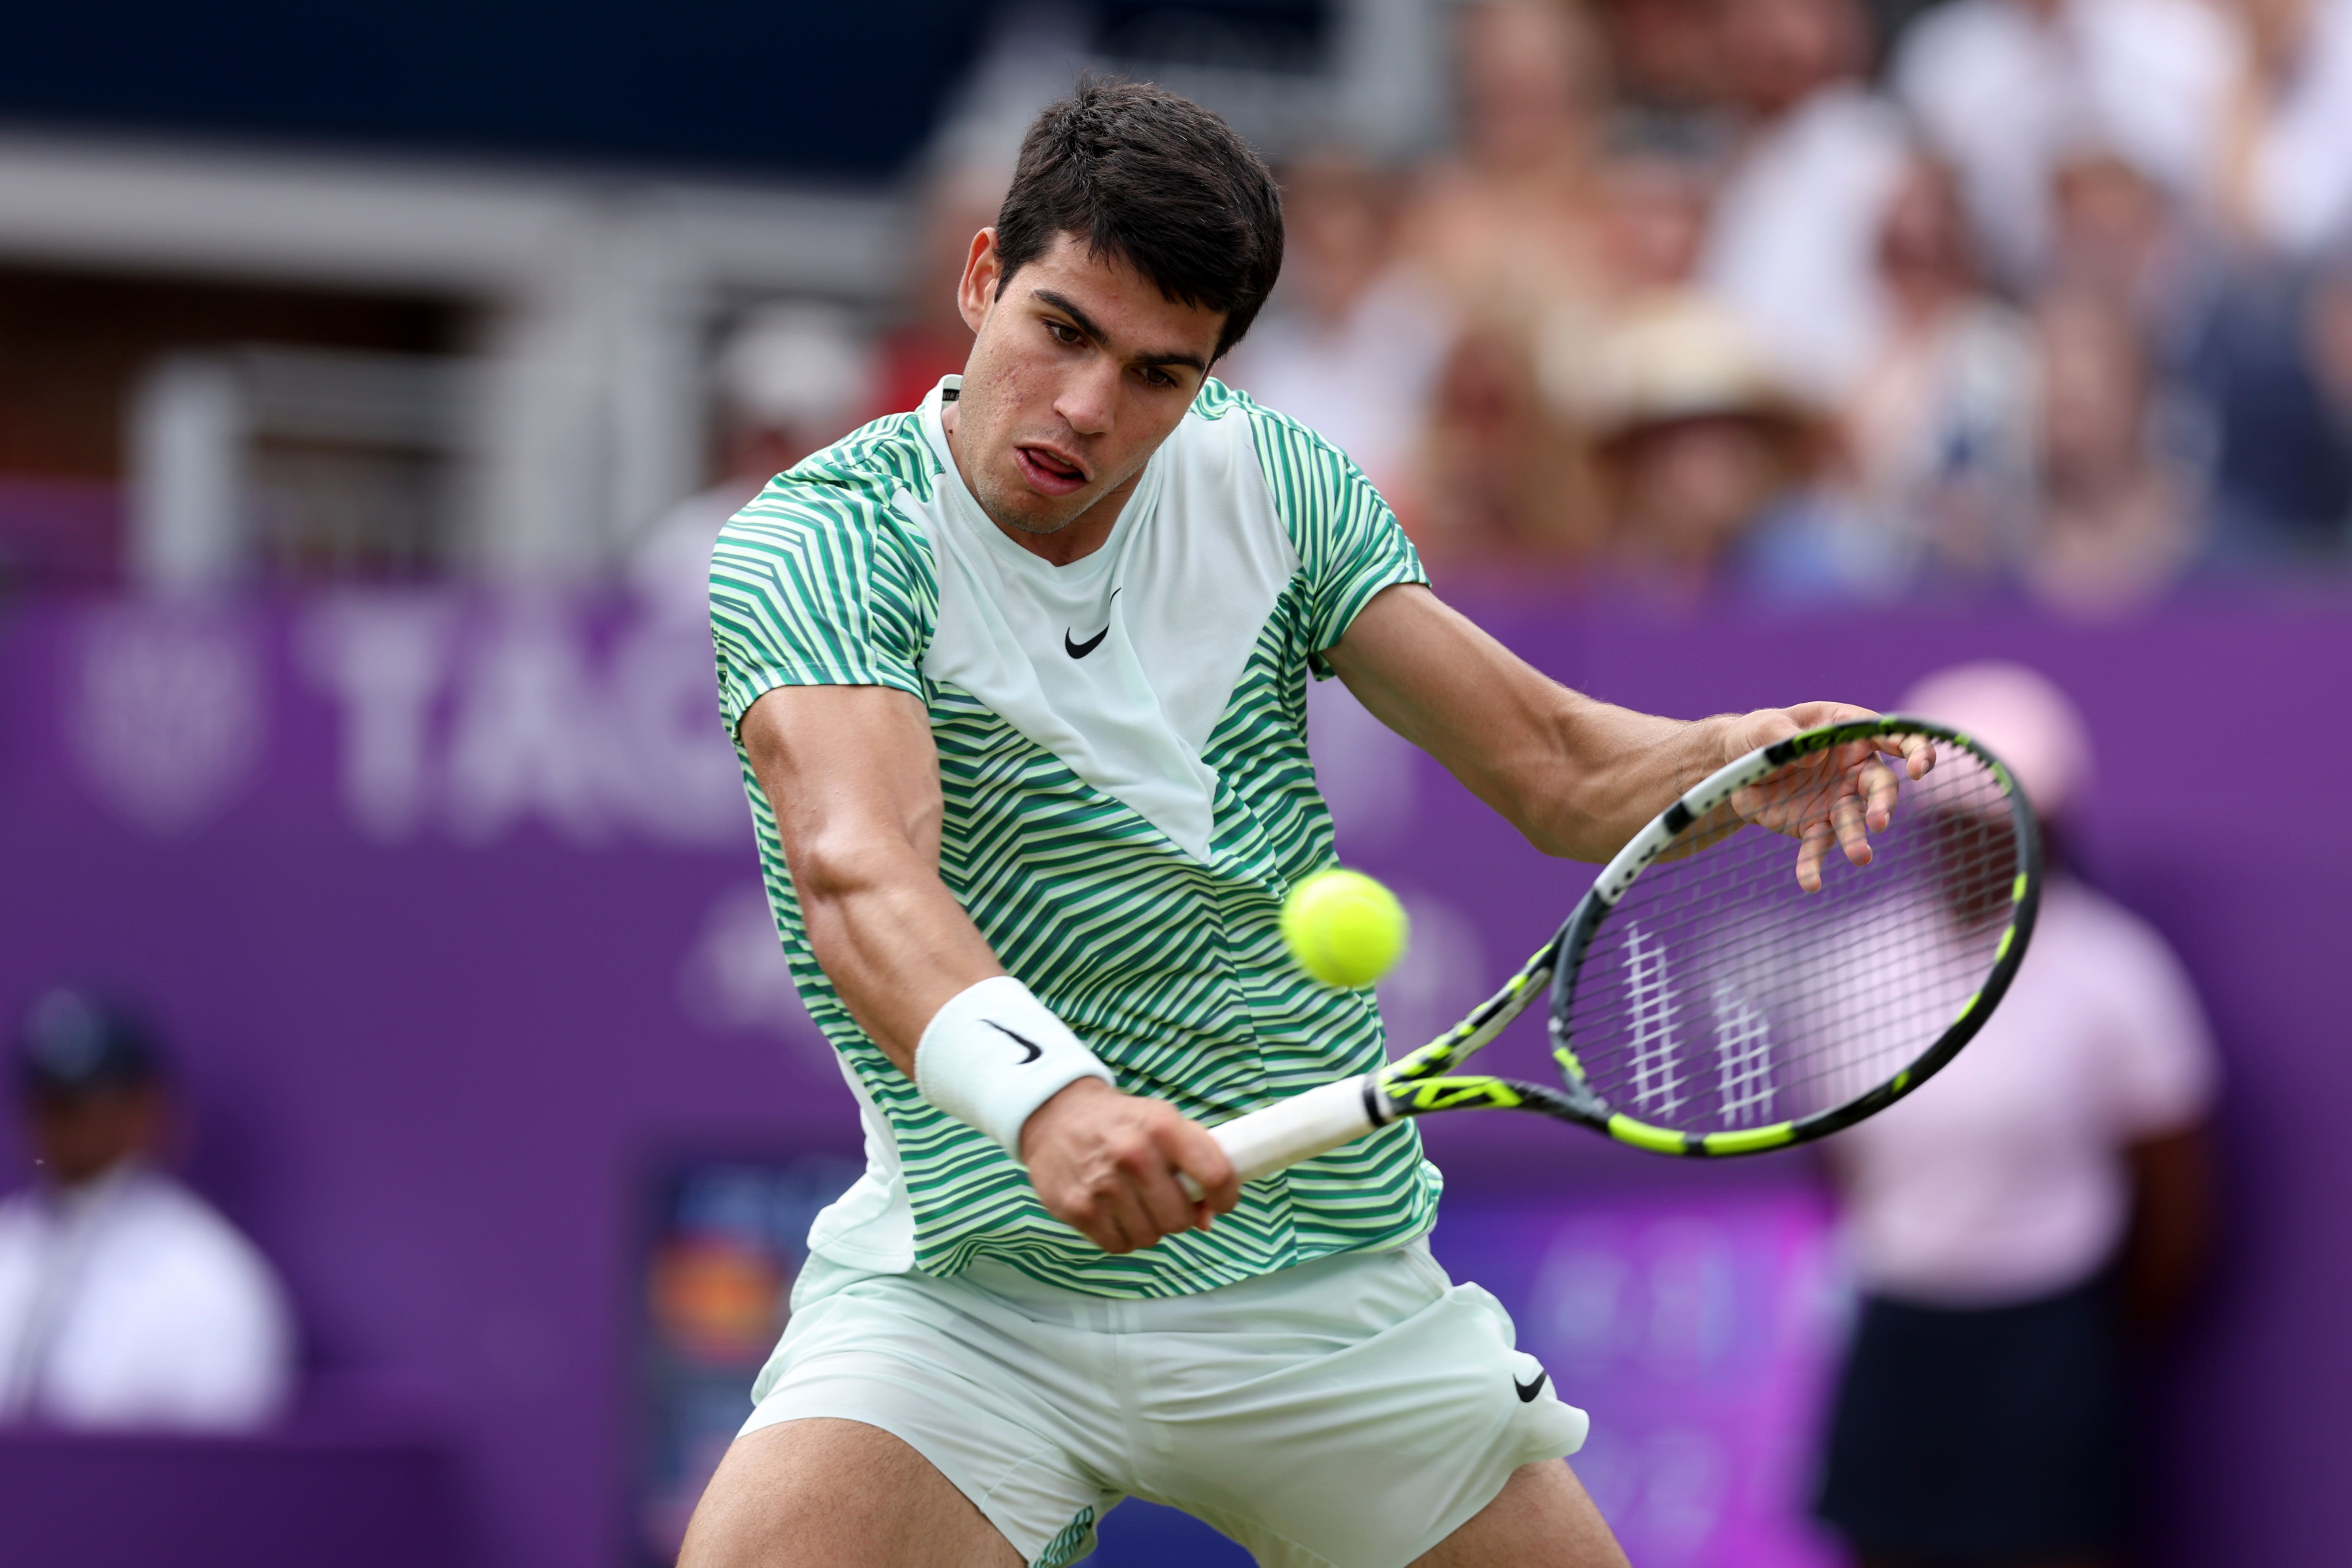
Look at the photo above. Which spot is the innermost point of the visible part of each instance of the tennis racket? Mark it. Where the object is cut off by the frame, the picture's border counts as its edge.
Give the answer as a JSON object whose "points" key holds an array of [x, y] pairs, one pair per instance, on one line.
{"points": [[1704, 999]]}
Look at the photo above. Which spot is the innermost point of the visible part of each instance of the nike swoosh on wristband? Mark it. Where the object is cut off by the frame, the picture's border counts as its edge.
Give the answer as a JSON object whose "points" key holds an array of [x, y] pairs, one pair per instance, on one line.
{"points": [[1033, 1048], [1077, 649], [1528, 1391]]}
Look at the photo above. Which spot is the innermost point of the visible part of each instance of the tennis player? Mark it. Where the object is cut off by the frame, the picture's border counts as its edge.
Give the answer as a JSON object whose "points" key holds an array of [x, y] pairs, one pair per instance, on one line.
{"points": [[1018, 679]]}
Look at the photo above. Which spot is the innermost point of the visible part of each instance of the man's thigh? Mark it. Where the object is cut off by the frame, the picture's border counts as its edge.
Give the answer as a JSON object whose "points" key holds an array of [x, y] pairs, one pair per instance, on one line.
{"points": [[824, 1493], [1541, 1518]]}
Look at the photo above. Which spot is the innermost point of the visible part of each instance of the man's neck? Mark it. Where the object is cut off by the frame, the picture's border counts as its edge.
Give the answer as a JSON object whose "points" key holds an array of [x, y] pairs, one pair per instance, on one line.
{"points": [[78, 1197]]}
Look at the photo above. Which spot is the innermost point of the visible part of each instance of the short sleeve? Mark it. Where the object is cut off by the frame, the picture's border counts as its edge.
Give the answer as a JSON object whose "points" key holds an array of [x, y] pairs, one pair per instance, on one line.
{"points": [[2162, 1068], [815, 583], [1349, 543]]}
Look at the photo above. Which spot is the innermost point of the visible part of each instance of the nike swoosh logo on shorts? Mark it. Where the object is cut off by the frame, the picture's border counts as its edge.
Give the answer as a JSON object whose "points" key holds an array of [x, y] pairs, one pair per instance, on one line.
{"points": [[1034, 1050], [1528, 1391], [1080, 649]]}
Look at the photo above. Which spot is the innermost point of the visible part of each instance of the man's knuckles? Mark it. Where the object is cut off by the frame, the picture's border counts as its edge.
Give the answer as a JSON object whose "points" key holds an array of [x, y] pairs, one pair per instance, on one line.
{"points": [[1137, 1157]]}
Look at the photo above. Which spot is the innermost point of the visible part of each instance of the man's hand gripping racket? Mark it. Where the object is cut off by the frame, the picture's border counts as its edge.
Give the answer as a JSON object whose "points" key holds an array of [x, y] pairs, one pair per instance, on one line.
{"points": [[1703, 1000]]}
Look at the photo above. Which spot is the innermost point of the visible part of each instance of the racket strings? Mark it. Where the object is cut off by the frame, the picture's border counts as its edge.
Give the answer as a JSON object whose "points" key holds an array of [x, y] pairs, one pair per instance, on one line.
{"points": [[1828, 1034], [1719, 995]]}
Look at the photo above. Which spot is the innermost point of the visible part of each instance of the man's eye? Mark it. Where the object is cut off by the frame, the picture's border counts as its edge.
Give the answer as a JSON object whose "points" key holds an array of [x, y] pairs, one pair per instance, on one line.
{"points": [[1159, 378], [1063, 331]]}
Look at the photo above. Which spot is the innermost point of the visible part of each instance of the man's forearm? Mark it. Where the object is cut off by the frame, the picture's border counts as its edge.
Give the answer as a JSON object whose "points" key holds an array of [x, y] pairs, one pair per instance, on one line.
{"points": [[851, 775], [1577, 777], [1606, 772], [893, 940]]}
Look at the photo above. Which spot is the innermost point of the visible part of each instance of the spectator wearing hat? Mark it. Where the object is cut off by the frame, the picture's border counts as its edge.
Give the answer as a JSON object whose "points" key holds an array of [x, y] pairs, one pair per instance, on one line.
{"points": [[2018, 1212], [1709, 460], [126, 1302]]}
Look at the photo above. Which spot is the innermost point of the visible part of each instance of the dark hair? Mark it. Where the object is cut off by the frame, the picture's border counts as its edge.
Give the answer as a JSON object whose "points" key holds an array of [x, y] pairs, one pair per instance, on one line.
{"points": [[1156, 181]]}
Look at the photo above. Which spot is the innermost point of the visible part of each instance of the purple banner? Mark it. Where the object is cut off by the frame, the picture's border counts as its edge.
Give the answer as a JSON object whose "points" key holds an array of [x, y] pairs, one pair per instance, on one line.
{"points": [[355, 1500], [448, 908], [1698, 1333]]}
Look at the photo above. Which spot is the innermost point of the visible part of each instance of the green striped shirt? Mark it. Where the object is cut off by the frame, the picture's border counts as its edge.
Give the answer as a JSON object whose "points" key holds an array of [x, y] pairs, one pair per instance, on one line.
{"points": [[1122, 747]]}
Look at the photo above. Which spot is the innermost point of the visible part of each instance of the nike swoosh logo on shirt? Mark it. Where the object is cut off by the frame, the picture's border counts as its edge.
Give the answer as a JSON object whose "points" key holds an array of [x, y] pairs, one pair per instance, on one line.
{"points": [[1033, 1049], [1528, 1391], [1077, 649]]}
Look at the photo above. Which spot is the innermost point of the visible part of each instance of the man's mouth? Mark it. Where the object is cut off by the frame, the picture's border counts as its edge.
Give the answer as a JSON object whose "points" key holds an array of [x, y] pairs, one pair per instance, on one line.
{"points": [[1048, 471]]}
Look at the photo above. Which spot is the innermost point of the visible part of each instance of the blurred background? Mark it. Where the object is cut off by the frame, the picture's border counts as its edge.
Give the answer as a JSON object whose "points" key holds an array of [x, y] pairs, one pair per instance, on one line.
{"points": [[372, 383]]}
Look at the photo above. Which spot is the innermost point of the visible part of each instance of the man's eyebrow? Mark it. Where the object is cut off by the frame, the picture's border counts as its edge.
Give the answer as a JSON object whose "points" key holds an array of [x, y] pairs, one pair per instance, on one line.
{"points": [[1085, 324]]}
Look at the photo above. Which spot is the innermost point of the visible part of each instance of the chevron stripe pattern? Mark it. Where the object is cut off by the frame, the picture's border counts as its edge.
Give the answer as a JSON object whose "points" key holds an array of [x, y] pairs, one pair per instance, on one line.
{"points": [[1172, 968]]}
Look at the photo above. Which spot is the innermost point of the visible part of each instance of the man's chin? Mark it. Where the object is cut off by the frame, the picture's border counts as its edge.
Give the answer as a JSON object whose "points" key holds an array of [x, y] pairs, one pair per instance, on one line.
{"points": [[1037, 526], [1034, 518]]}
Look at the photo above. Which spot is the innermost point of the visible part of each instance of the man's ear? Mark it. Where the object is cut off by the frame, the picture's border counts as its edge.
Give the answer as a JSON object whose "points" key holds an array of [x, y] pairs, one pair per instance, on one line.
{"points": [[982, 276]]}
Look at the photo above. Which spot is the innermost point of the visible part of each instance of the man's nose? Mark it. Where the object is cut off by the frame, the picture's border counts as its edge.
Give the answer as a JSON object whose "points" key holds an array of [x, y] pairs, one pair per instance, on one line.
{"points": [[1090, 398]]}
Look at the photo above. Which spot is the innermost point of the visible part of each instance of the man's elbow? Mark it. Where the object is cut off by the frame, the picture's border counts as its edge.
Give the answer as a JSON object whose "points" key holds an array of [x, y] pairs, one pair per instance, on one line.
{"points": [[1550, 819], [833, 868]]}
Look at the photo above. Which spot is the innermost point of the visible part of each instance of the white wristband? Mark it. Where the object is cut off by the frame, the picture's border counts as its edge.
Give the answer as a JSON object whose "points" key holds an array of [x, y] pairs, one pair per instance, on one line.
{"points": [[995, 1054]]}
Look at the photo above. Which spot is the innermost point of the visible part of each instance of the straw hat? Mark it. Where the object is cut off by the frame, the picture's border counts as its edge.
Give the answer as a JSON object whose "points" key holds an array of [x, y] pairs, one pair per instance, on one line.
{"points": [[1680, 357]]}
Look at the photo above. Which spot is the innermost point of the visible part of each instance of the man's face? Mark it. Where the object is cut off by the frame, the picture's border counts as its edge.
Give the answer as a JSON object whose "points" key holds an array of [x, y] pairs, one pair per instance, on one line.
{"points": [[1080, 369], [1695, 483], [1778, 51], [79, 1136]]}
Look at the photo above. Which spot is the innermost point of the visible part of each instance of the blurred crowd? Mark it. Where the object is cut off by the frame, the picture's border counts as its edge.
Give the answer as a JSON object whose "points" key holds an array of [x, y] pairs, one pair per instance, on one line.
{"points": [[2043, 298]]}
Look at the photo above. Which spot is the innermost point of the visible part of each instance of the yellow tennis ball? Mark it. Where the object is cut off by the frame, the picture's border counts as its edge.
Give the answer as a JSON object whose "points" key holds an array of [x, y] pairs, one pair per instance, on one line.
{"points": [[1343, 928]]}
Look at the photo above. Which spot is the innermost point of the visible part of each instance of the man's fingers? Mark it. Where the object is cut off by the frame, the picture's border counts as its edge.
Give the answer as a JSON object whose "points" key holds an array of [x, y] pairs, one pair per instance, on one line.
{"points": [[1121, 1223], [1880, 787], [1111, 1165], [1203, 1163], [1810, 852], [1840, 796], [1852, 829], [1162, 1201]]}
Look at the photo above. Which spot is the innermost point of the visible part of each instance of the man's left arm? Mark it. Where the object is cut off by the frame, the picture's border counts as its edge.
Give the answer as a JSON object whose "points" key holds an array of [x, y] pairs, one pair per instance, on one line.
{"points": [[1577, 777]]}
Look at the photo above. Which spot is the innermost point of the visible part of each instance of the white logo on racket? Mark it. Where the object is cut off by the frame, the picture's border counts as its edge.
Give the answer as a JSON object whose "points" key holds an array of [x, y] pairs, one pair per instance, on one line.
{"points": [[1743, 1056], [1648, 1000]]}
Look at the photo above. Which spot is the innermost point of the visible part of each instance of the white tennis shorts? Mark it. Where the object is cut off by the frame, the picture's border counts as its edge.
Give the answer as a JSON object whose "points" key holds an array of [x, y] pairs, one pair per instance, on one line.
{"points": [[1348, 1412]]}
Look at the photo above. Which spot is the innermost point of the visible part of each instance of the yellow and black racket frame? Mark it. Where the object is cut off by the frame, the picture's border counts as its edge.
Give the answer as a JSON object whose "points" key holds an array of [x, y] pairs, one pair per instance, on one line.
{"points": [[1424, 1081]]}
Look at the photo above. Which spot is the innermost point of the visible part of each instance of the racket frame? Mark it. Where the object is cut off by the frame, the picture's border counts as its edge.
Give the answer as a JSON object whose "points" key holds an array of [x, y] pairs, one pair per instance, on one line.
{"points": [[1422, 1081]]}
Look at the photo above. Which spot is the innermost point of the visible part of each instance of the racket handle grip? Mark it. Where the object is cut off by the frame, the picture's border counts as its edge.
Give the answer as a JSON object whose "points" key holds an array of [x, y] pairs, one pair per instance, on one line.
{"points": [[1297, 1128]]}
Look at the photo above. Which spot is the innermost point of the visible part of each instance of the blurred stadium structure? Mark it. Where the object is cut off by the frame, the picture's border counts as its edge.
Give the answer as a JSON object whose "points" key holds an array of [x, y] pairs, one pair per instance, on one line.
{"points": [[291, 337], [1798, 298]]}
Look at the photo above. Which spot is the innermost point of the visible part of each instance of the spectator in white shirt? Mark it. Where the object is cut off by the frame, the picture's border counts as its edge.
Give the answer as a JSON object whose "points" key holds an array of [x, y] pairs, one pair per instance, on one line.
{"points": [[2286, 158], [126, 1302], [2009, 91], [793, 379], [2011, 1216], [1793, 245], [1941, 434], [1352, 343]]}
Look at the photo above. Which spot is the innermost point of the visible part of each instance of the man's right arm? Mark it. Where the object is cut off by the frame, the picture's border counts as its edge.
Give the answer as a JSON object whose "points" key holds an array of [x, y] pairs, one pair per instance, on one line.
{"points": [[853, 777]]}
